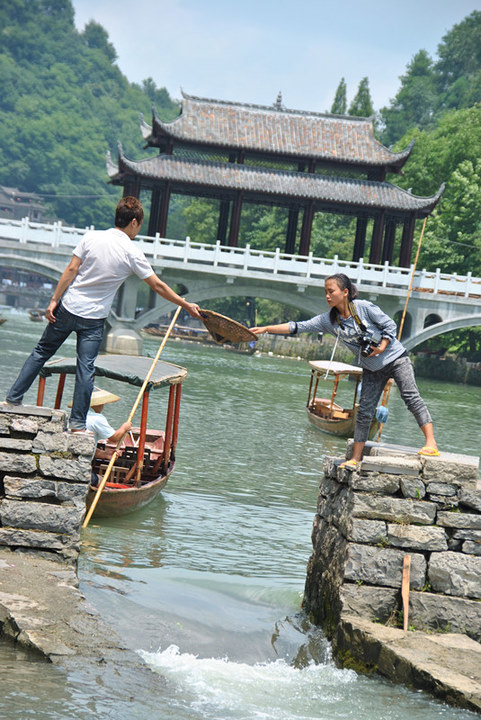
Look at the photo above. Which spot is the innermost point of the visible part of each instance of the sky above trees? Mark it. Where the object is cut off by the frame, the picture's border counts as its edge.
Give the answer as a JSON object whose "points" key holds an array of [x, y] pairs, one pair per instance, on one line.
{"points": [[249, 51]]}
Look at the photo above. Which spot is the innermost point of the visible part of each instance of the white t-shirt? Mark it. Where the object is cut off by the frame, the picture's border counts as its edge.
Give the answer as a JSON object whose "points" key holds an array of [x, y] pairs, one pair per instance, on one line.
{"points": [[98, 425], [108, 258]]}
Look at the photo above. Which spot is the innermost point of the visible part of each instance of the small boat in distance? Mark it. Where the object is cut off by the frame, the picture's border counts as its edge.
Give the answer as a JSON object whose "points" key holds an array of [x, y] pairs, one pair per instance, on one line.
{"points": [[198, 335], [147, 456], [37, 315], [325, 413], [3, 320]]}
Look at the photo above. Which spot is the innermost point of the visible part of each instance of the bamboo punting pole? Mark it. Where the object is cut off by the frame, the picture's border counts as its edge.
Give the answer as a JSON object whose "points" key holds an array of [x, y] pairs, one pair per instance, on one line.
{"points": [[132, 413]]}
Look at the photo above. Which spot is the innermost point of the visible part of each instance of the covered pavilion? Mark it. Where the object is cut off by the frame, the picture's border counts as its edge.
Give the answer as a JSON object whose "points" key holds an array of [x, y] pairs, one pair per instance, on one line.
{"points": [[303, 161]]}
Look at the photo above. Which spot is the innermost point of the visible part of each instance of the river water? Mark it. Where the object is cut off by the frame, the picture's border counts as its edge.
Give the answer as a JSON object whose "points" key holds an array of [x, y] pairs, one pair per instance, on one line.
{"points": [[206, 582]]}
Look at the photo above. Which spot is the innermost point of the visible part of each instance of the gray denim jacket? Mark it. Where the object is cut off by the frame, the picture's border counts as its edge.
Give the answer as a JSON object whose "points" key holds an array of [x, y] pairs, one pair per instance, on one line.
{"points": [[350, 333]]}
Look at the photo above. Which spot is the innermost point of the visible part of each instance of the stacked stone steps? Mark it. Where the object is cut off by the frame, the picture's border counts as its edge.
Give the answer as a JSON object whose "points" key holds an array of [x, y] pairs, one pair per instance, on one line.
{"points": [[399, 503], [44, 478]]}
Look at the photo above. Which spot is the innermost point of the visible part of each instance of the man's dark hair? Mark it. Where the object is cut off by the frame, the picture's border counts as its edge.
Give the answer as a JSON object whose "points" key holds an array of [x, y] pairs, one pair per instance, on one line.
{"points": [[127, 209]]}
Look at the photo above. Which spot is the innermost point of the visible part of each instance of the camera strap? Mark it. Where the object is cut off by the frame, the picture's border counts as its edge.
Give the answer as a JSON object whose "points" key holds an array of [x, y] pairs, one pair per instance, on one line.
{"points": [[353, 311]]}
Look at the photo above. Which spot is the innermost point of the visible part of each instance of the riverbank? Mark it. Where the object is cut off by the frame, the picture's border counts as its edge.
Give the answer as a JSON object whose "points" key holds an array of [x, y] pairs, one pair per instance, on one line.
{"points": [[308, 347], [43, 611]]}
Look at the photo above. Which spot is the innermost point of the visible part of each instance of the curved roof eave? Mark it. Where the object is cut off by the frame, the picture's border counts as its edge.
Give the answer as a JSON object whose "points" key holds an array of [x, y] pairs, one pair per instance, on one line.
{"points": [[297, 133], [303, 186]]}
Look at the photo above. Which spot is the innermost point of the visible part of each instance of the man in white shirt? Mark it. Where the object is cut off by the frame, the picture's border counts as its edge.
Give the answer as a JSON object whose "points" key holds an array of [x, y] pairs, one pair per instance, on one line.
{"points": [[81, 302]]}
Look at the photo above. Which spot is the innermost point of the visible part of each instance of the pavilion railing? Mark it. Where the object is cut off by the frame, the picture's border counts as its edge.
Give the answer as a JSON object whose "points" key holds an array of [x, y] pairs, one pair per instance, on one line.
{"points": [[246, 261]]}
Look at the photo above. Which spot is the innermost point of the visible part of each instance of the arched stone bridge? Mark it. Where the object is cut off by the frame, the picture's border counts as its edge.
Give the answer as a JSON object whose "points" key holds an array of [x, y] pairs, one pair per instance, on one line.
{"points": [[439, 302]]}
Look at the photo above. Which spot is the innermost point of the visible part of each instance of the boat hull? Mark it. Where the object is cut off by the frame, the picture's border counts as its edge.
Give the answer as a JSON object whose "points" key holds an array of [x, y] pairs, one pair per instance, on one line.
{"points": [[341, 426], [114, 502]]}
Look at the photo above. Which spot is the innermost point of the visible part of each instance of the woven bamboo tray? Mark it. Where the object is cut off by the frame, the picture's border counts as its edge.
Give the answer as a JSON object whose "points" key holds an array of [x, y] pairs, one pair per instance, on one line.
{"points": [[224, 329]]}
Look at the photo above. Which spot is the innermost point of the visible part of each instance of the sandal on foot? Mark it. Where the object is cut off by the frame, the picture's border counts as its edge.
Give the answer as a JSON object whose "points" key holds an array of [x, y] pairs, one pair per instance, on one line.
{"points": [[349, 465], [429, 451]]}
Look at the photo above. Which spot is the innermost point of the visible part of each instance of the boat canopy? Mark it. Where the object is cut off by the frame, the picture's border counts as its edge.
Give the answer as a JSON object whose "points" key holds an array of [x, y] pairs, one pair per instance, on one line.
{"points": [[335, 368], [131, 369]]}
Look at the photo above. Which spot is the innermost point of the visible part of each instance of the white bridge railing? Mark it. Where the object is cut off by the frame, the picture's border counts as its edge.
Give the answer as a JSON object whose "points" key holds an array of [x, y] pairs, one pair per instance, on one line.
{"points": [[303, 270]]}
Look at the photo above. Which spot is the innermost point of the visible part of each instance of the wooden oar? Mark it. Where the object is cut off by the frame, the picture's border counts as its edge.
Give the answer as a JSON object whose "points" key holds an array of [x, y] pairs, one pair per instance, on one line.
{"points": [[387, 388], [132, 413]]}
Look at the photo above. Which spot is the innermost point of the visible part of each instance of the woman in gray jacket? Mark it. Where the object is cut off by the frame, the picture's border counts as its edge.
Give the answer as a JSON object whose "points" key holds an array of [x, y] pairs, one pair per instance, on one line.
{"points": [[371, 335]]}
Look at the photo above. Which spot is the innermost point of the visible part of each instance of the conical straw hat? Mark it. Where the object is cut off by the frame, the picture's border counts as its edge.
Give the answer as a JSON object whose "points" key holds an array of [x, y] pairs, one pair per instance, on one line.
{"points": [[224, 329], [101, 397]]}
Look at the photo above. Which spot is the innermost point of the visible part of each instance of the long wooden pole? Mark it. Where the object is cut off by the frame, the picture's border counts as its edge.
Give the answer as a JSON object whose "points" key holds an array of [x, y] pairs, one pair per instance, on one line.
{"points": [[132, 413], [401, 324], [387, 389]]}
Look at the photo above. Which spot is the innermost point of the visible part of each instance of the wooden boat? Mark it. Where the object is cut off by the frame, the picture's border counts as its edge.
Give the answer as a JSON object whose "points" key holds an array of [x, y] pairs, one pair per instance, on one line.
{"points": [[325, 413], [198, 335], [132, 483], [37, 315], [183, 332], [3, 320]]}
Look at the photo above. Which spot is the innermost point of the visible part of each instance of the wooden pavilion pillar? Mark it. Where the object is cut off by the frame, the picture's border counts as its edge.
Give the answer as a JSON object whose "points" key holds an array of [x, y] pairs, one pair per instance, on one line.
{"points": [[224, 206], [223, 221], [389, 237], [155, 203], [306, 229], [407, 241], [291, 233], [360, 239], [164, 210], [132, 186], [376, 241], [235, 219]]}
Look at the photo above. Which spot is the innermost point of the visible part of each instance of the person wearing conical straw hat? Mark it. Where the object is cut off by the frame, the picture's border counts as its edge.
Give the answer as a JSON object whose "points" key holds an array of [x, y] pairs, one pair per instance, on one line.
{"points": [[97, 423]]}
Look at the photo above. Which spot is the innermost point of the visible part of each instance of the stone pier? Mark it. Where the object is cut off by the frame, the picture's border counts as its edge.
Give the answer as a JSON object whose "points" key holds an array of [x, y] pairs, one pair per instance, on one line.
{"points": [[44, 478], [367, 521]]}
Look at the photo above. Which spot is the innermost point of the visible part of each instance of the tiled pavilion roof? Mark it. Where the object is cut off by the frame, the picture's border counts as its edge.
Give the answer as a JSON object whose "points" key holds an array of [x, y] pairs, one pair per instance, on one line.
{"points": [[276, 131], [229, 177]]}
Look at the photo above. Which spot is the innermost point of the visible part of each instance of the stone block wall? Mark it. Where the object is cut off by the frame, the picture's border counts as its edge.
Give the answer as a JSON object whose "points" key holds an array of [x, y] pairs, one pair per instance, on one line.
{"points": [[398, 503], [44, 478]]}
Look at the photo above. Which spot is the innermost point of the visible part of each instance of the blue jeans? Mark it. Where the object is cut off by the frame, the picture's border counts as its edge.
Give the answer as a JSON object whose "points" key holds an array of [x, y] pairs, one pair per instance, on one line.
{"points": [[89, 338]]}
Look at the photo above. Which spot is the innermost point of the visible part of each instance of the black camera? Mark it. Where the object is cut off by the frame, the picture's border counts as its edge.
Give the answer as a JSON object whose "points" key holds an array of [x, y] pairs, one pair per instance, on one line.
{"points": [[369, 340]]}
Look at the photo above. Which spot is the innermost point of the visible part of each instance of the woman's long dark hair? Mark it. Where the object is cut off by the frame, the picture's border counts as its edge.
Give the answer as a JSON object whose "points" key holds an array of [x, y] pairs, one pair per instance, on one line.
{"points": [[343, 282]]}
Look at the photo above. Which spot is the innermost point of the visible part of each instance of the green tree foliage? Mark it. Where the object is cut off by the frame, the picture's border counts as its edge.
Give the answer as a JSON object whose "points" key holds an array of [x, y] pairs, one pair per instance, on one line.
{"points": [[95, 37], [414, 104], [65, 103], [458, 70], [429, 88], [333, 235], [450, 153], [361, 105], [339, 106]]}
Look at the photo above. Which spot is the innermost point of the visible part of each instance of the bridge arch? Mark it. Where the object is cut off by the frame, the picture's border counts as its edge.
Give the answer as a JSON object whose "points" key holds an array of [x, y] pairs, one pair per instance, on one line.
{"points": [[198, 293], [408, 323], [40, 267], [432, 319], [459, 323]]}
